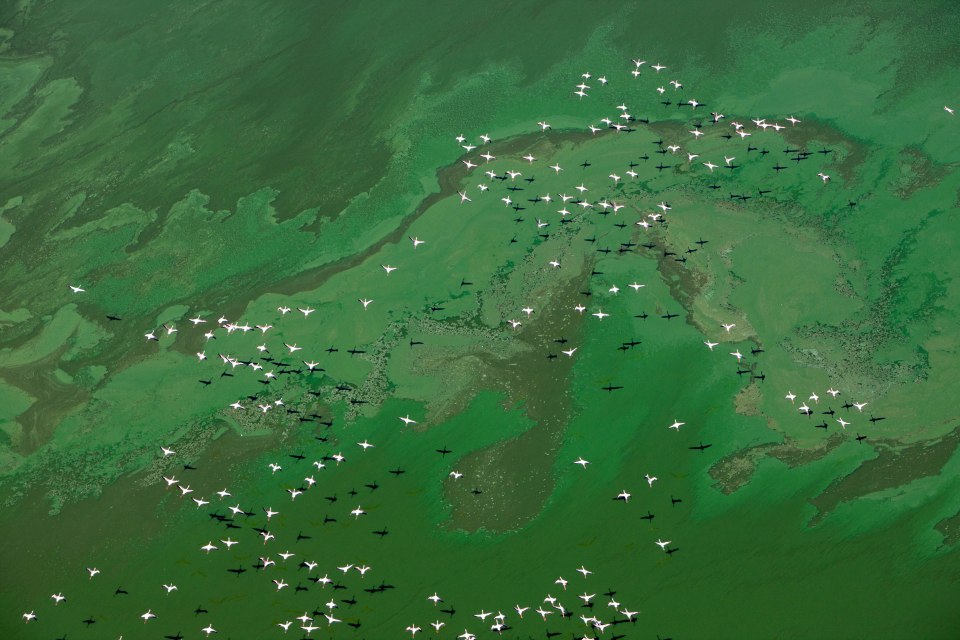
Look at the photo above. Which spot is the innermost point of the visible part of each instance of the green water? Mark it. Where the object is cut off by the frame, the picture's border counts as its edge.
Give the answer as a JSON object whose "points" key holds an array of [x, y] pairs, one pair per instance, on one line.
{"points": [[207, 159]]}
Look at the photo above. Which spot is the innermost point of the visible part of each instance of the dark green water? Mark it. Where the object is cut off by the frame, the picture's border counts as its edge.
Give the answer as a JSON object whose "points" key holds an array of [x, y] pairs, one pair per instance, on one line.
{"points": [[229, 159]]}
